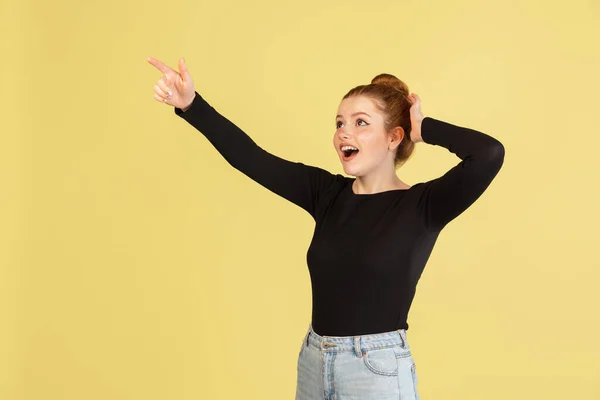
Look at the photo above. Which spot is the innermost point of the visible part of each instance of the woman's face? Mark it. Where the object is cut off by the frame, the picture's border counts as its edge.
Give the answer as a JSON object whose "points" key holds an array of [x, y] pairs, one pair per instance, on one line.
{"points": [[360, 125]]}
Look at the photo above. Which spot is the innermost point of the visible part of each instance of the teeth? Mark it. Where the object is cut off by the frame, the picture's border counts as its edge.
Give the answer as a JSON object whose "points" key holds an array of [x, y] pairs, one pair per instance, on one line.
{"points": [[344, 148]]}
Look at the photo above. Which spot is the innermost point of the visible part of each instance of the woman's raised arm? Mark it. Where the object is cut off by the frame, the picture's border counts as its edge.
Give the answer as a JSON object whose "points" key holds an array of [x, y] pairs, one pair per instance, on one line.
{"points": [[299, 183], [481, 157]]}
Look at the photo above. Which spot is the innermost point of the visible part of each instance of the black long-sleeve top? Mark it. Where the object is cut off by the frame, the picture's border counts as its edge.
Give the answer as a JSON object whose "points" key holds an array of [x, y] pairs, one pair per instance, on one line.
{"points": [[368, 250]]}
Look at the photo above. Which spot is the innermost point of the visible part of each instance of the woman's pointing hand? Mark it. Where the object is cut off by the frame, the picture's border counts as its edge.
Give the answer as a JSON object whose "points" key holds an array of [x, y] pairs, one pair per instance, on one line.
{"points": [[174, 88]]}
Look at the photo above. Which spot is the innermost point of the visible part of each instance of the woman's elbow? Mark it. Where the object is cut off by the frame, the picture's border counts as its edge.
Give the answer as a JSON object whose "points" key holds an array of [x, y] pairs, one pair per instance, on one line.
{"points": [[495, 155]]}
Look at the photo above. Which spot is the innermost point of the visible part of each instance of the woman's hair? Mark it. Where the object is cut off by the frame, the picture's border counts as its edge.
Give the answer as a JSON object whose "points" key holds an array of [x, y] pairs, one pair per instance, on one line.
{"points": [[390, 96]]}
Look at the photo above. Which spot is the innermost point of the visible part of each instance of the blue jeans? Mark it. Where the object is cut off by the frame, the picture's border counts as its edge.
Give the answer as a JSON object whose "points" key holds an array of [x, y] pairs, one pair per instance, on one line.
{"points": [[376, 366]]}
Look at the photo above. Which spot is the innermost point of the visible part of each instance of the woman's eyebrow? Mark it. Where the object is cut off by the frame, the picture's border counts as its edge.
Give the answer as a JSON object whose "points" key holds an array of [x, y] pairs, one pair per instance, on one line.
{"points": [[356, 113]]}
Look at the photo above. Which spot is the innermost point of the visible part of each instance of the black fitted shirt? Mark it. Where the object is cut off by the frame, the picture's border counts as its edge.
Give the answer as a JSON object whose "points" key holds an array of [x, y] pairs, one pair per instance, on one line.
{"points": [[368, 250]]}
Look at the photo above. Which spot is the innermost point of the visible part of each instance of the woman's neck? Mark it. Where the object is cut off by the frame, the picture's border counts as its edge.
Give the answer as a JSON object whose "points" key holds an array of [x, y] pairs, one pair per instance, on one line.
{"points": [[361, 185]]}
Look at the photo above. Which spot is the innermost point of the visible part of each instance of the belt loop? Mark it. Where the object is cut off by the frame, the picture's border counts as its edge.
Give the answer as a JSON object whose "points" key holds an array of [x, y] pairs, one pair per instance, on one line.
{"points": [[402, 338], [357, 349], [308, 334]]}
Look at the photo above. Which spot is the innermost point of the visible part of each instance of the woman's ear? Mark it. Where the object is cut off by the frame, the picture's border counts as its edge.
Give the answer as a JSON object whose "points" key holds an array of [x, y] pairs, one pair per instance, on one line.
{"points": [[397, 137]]}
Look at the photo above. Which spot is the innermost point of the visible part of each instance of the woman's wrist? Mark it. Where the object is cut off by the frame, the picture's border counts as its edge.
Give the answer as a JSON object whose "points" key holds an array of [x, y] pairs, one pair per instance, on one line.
{"points": [[189, 105], [415, 132], [184, 109]]}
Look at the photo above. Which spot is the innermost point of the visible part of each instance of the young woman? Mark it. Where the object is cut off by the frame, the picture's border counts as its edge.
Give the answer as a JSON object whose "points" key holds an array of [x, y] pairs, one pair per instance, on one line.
{"points": [[373, 233]]}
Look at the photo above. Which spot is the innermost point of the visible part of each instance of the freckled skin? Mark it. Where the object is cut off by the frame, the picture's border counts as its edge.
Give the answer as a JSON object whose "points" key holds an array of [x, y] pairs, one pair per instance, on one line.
{"points": [[373, 166]]}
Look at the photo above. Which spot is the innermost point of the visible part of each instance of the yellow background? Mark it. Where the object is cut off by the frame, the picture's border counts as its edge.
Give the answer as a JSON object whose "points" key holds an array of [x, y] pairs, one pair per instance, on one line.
{"points": [[137, 264]]}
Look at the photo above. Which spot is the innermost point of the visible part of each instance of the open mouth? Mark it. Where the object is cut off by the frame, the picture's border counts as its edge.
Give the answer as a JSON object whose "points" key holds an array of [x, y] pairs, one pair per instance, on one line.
{"points": [[349, 153]]}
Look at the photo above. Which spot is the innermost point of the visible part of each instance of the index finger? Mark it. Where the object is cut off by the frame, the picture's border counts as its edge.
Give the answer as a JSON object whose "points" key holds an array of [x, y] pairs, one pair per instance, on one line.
{"points": [[162, 67]]}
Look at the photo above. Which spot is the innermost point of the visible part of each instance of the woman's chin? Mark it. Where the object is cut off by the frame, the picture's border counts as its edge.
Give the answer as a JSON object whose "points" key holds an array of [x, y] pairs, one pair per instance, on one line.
{"points": [[350, 170]]}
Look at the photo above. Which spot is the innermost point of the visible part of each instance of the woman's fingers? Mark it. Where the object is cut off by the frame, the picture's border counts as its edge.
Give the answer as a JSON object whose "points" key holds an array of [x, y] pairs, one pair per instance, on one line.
{"points": [[162, 67], [183, 70], [162, 93], [159, 98], [416, 100], [165, 87], [173, 88]]}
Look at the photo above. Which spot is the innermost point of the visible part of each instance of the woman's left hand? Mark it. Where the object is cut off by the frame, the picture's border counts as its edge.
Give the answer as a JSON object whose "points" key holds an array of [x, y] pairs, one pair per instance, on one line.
{"points": [[416, 118]]}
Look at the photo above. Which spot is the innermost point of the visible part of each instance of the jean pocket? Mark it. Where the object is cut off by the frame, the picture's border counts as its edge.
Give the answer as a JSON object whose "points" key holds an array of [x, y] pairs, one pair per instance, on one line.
{"points": [[381, 361]]}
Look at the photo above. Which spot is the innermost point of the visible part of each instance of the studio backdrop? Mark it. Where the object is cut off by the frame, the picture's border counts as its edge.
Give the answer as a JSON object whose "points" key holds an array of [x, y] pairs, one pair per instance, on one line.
{"points": [[136, 263]]}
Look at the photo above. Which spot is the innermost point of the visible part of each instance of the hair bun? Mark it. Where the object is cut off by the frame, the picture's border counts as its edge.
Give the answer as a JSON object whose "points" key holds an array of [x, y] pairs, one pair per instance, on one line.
{"points": [[391, 80]]}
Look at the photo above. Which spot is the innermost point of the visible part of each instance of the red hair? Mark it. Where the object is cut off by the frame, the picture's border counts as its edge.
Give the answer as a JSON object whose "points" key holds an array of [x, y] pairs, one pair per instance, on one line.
{"points": [[390, 96]]}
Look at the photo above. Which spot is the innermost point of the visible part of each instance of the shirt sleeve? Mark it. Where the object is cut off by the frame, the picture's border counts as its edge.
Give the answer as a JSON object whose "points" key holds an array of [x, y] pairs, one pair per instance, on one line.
{"points": [[299, 183], [481, 157]]}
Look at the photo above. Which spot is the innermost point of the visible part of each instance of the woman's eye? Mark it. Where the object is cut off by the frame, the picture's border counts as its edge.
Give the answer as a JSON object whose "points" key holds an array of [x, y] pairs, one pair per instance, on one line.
{"points": [[337, 125]]}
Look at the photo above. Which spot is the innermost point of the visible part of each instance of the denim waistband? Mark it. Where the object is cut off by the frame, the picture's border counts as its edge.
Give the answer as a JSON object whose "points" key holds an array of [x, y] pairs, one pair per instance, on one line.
{"points": [[358, 343]]}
